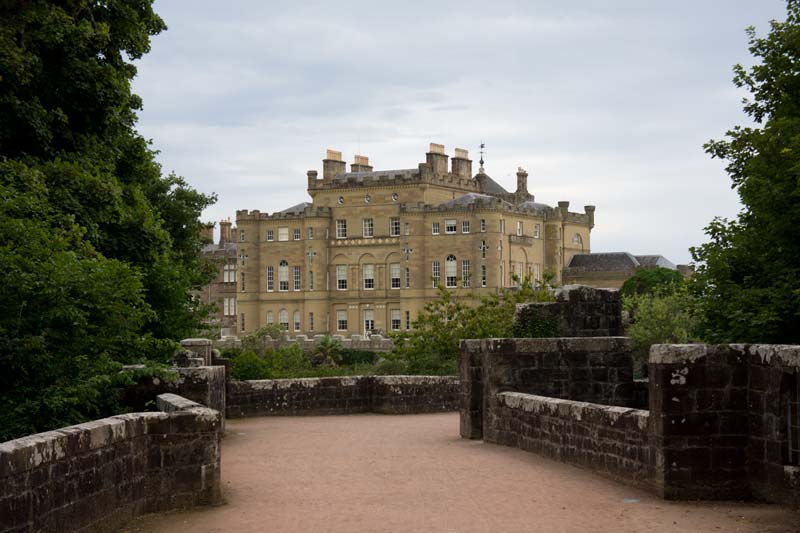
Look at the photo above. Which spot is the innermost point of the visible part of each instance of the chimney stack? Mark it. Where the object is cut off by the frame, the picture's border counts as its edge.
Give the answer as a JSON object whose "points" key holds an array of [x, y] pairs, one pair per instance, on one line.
{"points": [[333, 165], [224, 232], [437, 159], [589, 210], [522, 181], [361, 164], [461, 164], [311, 176], [563, 207]]}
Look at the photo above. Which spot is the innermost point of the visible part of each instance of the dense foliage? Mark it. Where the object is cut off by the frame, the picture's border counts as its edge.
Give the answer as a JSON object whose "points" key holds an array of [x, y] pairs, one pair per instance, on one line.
{"points": [[748, 278], [432, 347], [662, 316], [98, 249], [256, 359], [649, 280]]}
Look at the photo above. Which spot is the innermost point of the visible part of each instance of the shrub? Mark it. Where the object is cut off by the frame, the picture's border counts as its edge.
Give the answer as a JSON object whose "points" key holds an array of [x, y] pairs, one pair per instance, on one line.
{"points": [[249, 365]]}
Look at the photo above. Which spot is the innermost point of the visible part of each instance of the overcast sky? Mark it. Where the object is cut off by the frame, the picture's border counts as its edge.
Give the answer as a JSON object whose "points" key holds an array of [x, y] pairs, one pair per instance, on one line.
{"points": [[603, 102]]}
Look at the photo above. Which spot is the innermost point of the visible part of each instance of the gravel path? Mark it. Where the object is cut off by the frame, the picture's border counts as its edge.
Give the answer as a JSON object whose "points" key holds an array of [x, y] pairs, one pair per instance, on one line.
{"points": [[414, 473]]}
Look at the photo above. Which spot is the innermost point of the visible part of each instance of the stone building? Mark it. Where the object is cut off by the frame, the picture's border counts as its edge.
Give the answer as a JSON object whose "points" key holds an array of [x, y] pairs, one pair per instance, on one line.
{"points": [[612, 269], [222, 289], [369, 250]]}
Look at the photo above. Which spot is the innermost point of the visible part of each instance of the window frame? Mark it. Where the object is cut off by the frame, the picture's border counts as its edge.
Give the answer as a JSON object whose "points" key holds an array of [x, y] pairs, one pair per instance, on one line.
{"points": [[368, 276], [465, 226], [283, 276], [341, 280], [367, 224], [450, 229], [394, 226], [451, 267], [394, 282], [435, 228], [341, 228], [341, 321]]}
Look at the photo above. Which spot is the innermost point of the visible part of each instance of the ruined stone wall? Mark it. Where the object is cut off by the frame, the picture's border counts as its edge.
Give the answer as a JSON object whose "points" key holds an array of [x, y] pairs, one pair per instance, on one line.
{"points": [[721, 424], [698, 404], [373, 343], [342, 395], [613, 441], [99, 475], [598, 369], [579, 311], [720, 413], [773, 372], [399, 395]]}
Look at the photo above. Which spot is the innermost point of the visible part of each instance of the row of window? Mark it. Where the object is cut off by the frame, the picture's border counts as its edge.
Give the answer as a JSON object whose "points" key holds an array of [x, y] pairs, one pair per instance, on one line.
{"points": [[368, 276], [283, 278], [283, 320], [395, 321], [368, 229]]}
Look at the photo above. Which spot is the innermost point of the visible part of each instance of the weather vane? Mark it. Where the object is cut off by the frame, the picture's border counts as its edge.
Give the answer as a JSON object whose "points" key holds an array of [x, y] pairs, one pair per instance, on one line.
{"points": [[483, 145]]}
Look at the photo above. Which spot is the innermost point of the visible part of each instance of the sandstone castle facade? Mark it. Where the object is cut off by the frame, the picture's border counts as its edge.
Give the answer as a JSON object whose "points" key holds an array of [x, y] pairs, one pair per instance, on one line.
{"points": [[371, 247]]}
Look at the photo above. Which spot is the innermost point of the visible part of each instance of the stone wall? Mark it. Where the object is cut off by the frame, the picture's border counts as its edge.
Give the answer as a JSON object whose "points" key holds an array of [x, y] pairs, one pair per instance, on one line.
{"points": [[202, 384], [373, 343], [99, 475], [343, 395], [613, 441], [598, 369], [579, 311], [719, 424], [719, 412]]}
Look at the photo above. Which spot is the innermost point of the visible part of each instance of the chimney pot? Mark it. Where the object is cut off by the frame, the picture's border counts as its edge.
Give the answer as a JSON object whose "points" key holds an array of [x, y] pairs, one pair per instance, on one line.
{"points": [[436, 148]]}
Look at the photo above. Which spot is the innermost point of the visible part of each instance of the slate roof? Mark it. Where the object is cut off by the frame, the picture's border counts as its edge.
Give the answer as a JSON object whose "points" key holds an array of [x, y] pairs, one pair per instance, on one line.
{"points": [[653, 261], [491, 186], [295, 209], [614, 261], [534, 205], [472, 198]]}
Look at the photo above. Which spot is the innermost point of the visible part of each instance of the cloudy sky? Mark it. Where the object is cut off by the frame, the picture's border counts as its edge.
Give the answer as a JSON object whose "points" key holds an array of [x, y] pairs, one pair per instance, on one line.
{"points": [[603, 102]]}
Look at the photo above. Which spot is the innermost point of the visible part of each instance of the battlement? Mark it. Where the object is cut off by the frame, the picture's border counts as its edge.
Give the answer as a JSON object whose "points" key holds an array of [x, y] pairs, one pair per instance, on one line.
{"points": [[308, 212]]}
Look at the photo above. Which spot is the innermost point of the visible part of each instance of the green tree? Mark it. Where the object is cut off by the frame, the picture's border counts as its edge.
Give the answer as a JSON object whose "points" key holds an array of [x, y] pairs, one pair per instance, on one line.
{"points": [[99, 249], [328, 351], [432, 347], [665, 317], [748, 277], [648, 280]]}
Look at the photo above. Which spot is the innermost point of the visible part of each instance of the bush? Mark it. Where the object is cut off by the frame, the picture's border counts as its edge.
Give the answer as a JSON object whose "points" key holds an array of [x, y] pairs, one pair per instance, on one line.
{"points": [[651, 280], [249, 365], [533, 322], [358, 357], [660, 318]]}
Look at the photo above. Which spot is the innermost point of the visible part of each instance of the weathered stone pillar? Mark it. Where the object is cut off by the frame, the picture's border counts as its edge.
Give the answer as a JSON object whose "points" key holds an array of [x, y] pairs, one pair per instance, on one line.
{"points": [[698, 414], [200, 347]]}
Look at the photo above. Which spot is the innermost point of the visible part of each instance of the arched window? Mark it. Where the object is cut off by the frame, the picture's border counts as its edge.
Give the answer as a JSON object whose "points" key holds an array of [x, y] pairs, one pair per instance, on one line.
{"points": [[450, 271], [283, 319], [283, 276], [577, 240]]}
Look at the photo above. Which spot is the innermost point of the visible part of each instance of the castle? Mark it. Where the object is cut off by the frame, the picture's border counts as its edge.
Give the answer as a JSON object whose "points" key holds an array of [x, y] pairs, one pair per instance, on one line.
{"points": [[371, 247]]}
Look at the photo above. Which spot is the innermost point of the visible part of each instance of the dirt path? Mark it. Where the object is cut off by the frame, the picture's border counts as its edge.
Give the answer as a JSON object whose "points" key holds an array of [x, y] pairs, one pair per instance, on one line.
{"points": [[414, 473]]}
